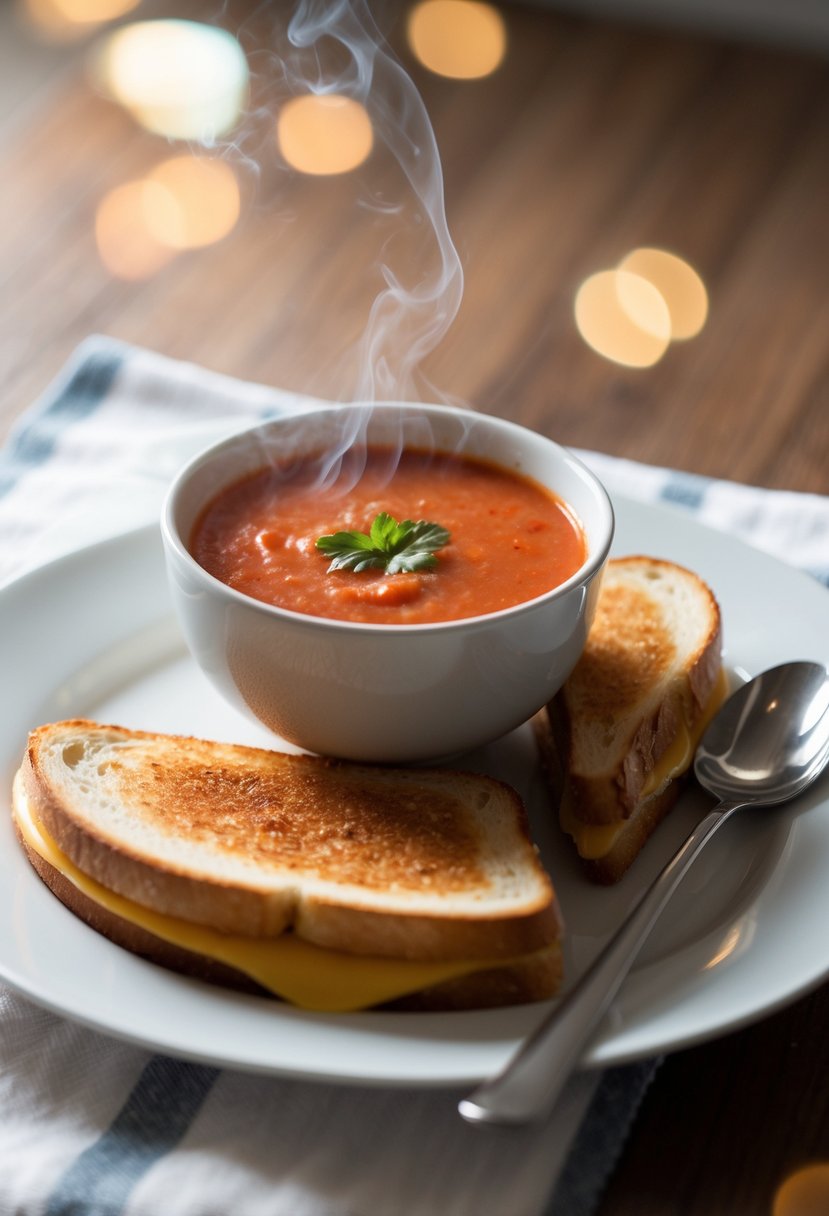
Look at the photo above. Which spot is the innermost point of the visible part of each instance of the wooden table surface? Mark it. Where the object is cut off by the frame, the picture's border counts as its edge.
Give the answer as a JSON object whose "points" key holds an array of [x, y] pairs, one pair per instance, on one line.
{"points": [[590, 140]]}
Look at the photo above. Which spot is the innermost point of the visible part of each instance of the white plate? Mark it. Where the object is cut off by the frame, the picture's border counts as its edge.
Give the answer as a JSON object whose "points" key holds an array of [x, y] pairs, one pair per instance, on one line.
{"points": [[91, 634]]}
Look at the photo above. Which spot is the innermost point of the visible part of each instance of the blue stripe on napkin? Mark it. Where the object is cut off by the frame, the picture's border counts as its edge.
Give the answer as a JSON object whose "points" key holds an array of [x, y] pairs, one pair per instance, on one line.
{"points": [[685, 490], [155, 1116], [600, 1139], [86, 389]]}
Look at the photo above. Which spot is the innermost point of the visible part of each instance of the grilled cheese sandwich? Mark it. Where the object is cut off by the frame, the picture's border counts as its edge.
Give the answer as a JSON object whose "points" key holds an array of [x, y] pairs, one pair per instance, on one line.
{"points": [[623, 731], [426, 945]]}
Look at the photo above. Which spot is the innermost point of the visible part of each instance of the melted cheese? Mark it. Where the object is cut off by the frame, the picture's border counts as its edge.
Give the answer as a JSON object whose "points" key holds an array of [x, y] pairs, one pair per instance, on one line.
{"points": [[592, 840], [306, 975], [595, 840]]}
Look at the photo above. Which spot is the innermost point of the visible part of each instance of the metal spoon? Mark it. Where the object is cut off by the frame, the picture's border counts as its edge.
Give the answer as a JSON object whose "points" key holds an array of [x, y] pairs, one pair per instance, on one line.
{"points": [[767, 743]]}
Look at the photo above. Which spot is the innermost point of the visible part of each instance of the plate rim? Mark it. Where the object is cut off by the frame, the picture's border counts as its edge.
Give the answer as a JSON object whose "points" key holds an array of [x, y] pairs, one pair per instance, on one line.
{"points": [[500, 1046]]}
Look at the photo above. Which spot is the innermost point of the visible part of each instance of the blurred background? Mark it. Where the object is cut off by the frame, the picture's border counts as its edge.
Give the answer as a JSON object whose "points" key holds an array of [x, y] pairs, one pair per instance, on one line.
{"points": [[612, 213]]}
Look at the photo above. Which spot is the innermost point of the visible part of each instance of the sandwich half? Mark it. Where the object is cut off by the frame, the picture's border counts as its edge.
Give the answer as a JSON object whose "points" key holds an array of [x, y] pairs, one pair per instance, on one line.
{"points": [[332, 886], [622, 732]]}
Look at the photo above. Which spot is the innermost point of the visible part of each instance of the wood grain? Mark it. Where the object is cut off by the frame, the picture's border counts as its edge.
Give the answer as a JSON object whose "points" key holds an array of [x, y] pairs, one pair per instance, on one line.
{"points": [[590, 140], [725, 1124]]}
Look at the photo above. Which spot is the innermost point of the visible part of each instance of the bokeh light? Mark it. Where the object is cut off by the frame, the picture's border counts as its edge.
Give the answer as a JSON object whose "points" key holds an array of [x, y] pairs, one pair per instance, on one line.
{"points": [[180, 79], [463, 39], [202, 202], [623, 317], [804, 1193], [66, 19], [679, 285], [124, 230], [324, 134], [185, 202]]}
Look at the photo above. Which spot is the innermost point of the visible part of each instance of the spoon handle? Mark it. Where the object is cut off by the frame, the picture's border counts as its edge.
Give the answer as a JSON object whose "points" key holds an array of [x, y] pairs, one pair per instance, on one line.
{"points": [[531, 1081]]}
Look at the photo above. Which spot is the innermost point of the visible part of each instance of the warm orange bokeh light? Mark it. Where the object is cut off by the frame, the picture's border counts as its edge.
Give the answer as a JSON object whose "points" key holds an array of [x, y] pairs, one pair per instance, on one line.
{"points": [[186, 202], [73, 18], [324, 134], [463, 39], [177, 78], [124, 230], [623, 317], [679, 285], [202, 202], [804, 1193]]}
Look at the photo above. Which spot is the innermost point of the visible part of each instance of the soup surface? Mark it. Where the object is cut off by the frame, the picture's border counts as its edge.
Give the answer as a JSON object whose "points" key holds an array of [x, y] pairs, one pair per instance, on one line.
{"points": [[510, 539]]}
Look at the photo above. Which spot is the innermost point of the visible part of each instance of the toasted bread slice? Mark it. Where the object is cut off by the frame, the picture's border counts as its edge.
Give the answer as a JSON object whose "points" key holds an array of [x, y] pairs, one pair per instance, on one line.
{"points": [[426, 866], [624, 727]]}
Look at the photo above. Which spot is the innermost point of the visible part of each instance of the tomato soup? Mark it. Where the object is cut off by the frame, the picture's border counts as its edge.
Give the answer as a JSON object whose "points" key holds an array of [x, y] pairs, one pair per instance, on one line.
{"points": [[510, 540]]}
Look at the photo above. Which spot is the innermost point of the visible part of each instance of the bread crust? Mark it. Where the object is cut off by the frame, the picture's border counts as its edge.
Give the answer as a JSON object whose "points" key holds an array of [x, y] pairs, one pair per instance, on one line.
{"points": [[630, 842], [638, 827], [425, 938], [613, 795], [131, 936], [442, 933], [534, 977], [608, 796]]}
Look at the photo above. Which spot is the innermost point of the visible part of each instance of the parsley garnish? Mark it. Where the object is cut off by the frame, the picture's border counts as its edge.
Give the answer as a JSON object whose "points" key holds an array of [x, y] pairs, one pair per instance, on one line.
{"points": [[390, 546]]}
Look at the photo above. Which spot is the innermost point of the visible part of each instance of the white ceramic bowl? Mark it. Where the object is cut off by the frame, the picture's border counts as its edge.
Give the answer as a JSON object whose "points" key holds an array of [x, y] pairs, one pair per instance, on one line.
{"points": [[389, 693]]}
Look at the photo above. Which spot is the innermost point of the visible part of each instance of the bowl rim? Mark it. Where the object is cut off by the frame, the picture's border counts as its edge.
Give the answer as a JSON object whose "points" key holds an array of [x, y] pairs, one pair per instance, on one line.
{"points": [[174, 542]]}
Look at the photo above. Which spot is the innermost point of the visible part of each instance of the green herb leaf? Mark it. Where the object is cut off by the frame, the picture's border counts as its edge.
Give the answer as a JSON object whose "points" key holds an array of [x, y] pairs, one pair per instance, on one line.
{"points": [[390, 546]]}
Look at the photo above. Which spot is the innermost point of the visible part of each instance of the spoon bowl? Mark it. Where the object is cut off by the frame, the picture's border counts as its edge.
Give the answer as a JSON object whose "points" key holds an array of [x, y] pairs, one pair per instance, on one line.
{"points": [[771, 738], [769, 741]]}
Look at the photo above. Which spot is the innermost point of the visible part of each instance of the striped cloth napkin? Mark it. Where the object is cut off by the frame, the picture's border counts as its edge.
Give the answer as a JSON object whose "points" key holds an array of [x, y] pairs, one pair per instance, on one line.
{"points": [[92, 1126]]}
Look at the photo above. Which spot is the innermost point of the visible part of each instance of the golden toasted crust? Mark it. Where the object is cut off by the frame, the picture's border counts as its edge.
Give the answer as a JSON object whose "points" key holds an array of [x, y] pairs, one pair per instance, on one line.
{"points": [[534, 977], [430, 938], [627, 653], [130, 936], [372, 861], [267, 807], [631, 690], [638, 827], [637, 687]]}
